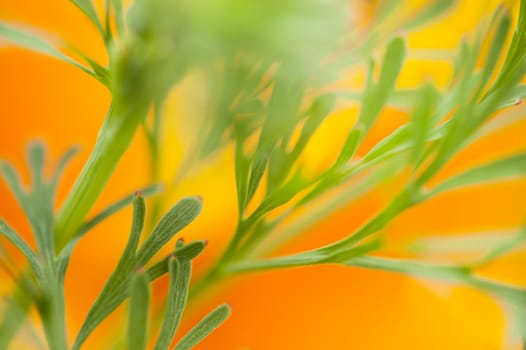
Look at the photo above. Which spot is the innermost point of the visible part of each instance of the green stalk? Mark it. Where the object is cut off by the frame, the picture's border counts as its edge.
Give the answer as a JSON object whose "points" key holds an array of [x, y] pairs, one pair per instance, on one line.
{"points": [[114, 138], [51, 308]]}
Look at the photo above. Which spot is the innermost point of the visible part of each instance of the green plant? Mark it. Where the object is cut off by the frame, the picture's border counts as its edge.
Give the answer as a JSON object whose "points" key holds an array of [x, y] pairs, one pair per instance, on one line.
{"points": [[264, 87]]}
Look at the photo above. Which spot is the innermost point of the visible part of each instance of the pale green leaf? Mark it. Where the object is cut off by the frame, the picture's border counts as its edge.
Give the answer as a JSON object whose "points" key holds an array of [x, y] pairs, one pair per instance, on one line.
{"points": [[22, 246], [18, 306], [181, 214], [138, 314], [502, 169], [177, 296], [429, 13], [376, 95], [113, 208], [183, 253], [204, 328], [34, 42], [114, 291], [86, 6]]}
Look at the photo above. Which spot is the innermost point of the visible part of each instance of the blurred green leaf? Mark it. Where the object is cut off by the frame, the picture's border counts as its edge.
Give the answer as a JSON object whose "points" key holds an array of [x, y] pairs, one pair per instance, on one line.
{"points": [[429, 13], [320, 109], [18, 307], [242, 168], [314, 257], [119, 15], [22, 246], [450, 273], [502, 22], [421, 123], [376, 95], [64, 161], [13, 181], [86, 6], [34, 42], [499, 170], [463, 242], [349, 147]]}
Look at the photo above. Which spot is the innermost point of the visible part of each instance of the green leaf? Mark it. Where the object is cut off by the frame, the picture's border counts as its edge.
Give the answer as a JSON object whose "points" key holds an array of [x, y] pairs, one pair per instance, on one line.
{"points": [[399, 141], [414, 268], [138, 315], [477, 242], [376, 95], [22, 246], [455, 274], [280, 196], [421, 123], [184, 254], [36, 43], [497, 45], [320, 109], [18, 306], [13, 181], [86, 6], [521, 321], [256, 174], [321, 211], [503, 248], [181, 214], [61, 166], [119, 205], [499, 170], [204, 328], [430, 12], [177, 297], [314, 257], [119, 15], [350, 146], [242, 167], [114, 291], [37, 201], [65, 254], [36, 158]]}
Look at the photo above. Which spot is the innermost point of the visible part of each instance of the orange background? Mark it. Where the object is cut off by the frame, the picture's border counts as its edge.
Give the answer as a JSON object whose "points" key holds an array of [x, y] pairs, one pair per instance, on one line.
{"points": [[325, 307]]}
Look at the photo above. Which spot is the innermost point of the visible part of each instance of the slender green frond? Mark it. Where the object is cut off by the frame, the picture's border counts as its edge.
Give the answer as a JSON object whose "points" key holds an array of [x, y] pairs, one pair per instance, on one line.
{"points": [[34, 42], [138, 314], [502, 169], [206, 326], [86, 6], [177, 296], [22, 246], [181, 214]]}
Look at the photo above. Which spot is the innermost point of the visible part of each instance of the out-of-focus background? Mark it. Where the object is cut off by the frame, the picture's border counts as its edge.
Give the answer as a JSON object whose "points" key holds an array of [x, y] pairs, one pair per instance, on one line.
{"points": [[322, 307]]}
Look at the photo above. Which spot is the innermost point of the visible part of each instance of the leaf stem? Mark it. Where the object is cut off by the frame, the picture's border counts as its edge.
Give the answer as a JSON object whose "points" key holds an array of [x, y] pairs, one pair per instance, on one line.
{"points": [[114, 139]]}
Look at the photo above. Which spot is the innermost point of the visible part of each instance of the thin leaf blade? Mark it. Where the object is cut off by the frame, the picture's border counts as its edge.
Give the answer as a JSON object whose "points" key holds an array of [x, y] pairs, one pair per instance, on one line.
{"points": [[37, 44], [502, 169], [138, 315], [208, 324]]}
